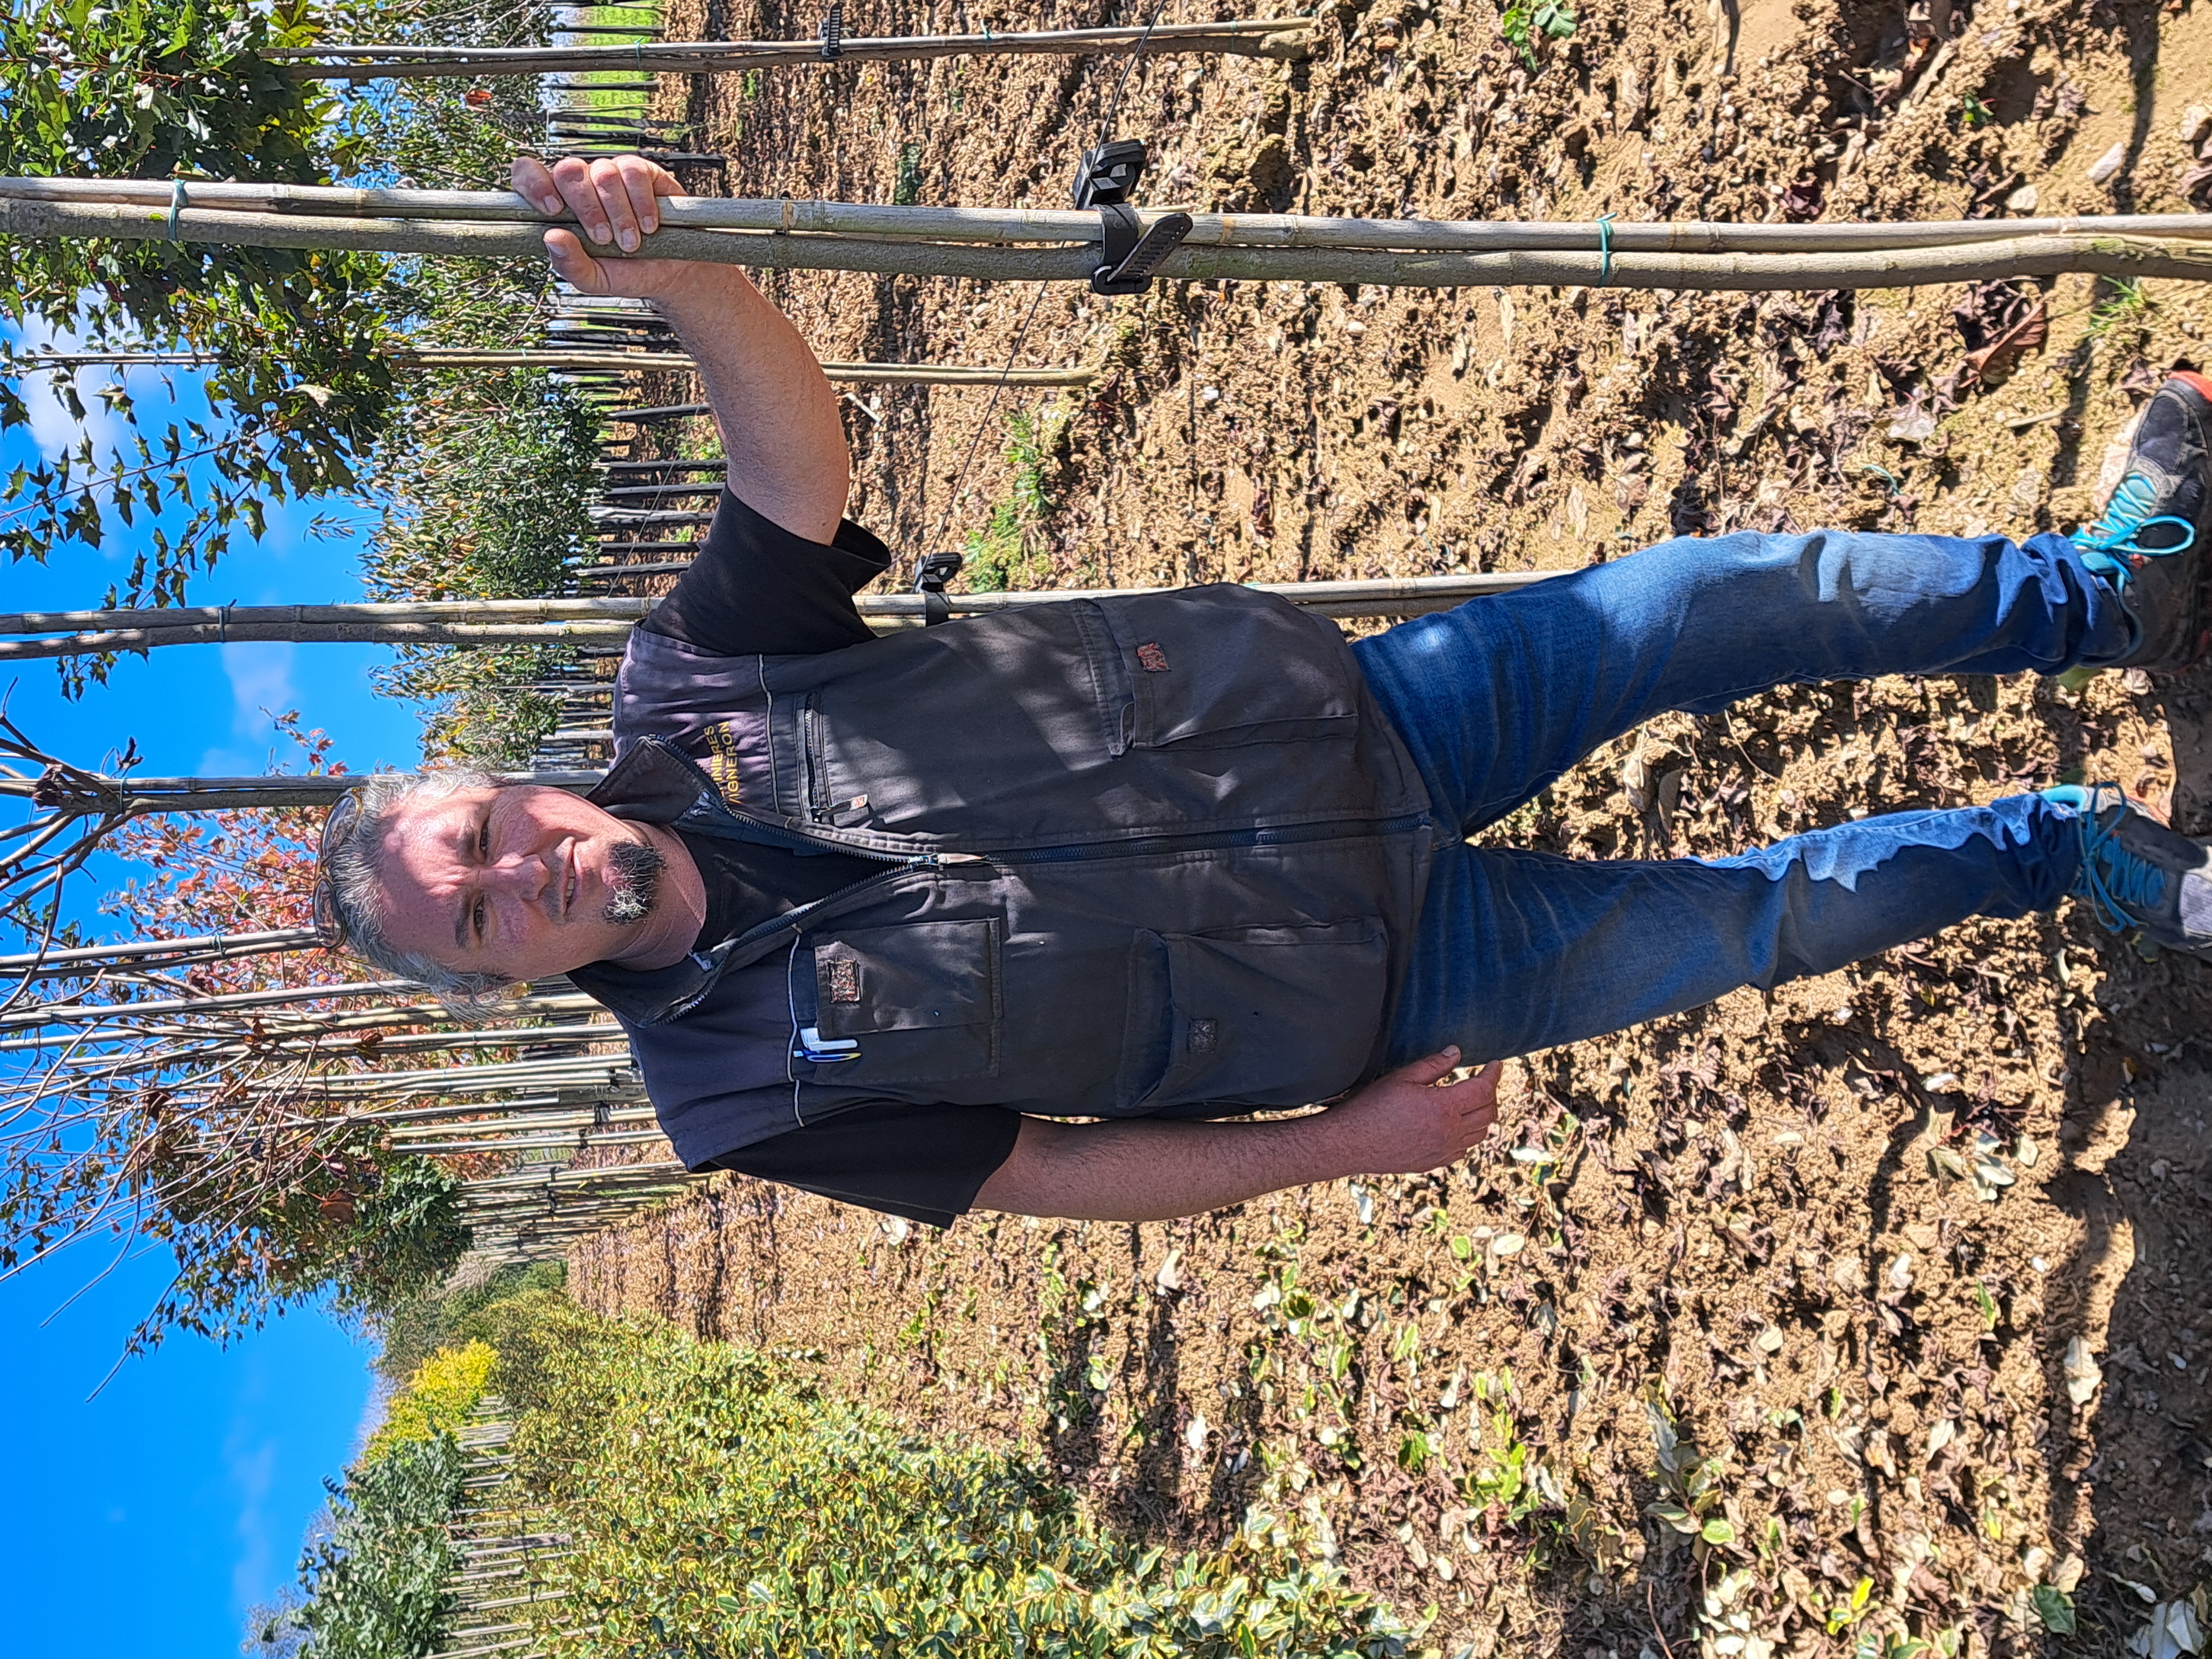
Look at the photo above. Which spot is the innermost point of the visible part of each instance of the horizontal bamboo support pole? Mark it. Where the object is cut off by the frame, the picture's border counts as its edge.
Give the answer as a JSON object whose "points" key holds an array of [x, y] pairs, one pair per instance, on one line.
{"points": [[86, 1013], [1260, 37], [2129, 256], [855, 374], [79, 960], [133, 796], [611, 618], [1051, 226]]}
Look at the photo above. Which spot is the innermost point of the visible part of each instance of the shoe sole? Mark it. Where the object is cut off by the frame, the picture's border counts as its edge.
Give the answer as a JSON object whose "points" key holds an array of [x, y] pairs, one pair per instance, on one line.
{"points": [[2200, 633]]}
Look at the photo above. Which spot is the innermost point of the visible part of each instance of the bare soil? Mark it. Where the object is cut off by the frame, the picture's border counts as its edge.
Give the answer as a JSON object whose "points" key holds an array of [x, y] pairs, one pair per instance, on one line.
{"points": [[1760, 1219]]}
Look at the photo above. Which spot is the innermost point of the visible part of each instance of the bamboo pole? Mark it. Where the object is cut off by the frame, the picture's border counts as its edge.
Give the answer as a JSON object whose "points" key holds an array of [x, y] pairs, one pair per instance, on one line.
{"points": [[850, 373], [152, 954], [134, 795], [456, 622], [1256, 231], [2129, 256], [225, 1002], [1284, 38]]}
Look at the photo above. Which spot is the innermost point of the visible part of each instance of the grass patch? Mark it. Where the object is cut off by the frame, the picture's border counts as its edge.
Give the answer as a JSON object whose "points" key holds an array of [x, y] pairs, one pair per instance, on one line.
{"points": [[2127, 304], [1003, 554]]}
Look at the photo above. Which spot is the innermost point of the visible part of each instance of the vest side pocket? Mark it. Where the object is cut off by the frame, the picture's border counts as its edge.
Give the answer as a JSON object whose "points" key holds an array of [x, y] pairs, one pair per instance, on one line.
{"points": [[1263, 1017], [922, 999]]}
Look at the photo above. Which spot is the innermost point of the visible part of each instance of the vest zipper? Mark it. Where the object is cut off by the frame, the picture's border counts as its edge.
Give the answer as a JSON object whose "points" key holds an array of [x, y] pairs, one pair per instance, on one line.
{"points": [[815, 762], [1286, 835]]}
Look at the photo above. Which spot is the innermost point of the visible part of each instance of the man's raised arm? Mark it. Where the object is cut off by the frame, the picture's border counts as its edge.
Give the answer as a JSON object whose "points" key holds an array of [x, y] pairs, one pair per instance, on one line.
{"points": [[777, 413], [1144, 1169]]}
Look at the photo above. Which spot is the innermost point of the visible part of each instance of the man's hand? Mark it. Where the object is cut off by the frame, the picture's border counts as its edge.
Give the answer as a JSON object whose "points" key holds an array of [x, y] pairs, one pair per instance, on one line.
{"points": [[1144, 1169], [616, 202], [777, 412], [1411, 1122]]}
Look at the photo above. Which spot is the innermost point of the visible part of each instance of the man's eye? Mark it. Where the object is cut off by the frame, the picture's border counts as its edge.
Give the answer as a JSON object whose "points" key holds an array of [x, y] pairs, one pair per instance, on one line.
{"points": [[483, 839], [478, 917]]}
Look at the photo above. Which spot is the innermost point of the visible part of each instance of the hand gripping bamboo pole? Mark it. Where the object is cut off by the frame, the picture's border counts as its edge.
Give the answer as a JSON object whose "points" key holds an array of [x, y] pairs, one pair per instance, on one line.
{"points": [[2187, 254]]}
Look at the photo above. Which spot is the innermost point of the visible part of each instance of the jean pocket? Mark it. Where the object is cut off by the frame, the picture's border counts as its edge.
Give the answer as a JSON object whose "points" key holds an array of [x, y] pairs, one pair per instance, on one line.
{"points": [[1256, 1016], [1211, 666], [920, 1001]]}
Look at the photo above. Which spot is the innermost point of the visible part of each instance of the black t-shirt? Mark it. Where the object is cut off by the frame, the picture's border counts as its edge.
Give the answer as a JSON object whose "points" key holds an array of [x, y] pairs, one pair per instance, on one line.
{"points": [[754, 587]]}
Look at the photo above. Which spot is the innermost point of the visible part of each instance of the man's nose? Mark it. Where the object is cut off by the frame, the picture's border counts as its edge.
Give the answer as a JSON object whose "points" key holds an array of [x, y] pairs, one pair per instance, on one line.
{"points": [[520, 875]]}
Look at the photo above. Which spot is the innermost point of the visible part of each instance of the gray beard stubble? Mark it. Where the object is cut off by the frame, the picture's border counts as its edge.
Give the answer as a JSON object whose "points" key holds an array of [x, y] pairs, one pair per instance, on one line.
{"points": [[635, 867]]}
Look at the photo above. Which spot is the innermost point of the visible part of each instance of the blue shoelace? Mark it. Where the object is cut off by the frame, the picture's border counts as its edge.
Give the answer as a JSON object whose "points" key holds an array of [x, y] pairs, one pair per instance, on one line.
{"points": [[2112, 876], [2108, 545]]}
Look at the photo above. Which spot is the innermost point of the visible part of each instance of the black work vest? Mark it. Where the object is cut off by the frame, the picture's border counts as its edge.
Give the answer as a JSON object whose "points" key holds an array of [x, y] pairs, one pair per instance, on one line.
{"points": [[1145, 855]]}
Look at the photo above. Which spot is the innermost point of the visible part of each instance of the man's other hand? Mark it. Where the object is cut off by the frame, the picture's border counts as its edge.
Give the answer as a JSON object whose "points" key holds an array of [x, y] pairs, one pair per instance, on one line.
{"points": [[1143, 1169], [1410, 1120], [616, 202]]}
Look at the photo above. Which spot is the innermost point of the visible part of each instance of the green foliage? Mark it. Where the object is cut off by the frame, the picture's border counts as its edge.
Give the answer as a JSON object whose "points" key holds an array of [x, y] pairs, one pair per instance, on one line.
{"points": [[998, 554], [366, 1233], [719, 1506], [152, 89], [487, 484], [906, 188], [485, 488], [436, 1401], [1528, 24], [420, 1325], [2055, 1608], [376, 1585]]}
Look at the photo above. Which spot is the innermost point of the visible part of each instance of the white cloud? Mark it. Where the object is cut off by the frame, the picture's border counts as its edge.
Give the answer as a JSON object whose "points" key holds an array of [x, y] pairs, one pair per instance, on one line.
{"points": [[54, 428], [251, 1469], [261, 685]]}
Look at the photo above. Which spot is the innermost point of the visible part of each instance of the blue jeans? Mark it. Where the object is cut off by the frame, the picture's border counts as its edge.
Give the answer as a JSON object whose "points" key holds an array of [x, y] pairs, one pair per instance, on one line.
{"points": [[1520, 950]]}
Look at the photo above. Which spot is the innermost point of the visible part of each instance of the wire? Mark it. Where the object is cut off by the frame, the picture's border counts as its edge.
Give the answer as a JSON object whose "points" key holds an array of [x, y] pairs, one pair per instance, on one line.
{"points": [[982, 426], [1105, 132], [1137, 51]]}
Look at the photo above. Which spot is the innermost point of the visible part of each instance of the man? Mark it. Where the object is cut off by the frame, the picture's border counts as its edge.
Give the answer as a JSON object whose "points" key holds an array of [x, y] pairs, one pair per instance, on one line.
{"points": [[880, 916]]}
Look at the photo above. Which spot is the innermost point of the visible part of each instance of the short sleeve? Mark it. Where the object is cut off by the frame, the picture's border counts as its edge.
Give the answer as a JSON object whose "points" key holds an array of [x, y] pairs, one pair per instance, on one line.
{"points": [[756, 589], [925, 1162]]}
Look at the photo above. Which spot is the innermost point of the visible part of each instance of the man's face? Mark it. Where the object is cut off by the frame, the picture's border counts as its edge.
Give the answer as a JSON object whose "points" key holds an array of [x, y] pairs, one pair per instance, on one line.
{"points": [[522, 883]]}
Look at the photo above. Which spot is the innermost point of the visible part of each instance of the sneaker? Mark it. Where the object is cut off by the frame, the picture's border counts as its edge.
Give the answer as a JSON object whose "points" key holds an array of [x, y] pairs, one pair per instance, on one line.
{"points": [[2137, 872], [2151, 544]]}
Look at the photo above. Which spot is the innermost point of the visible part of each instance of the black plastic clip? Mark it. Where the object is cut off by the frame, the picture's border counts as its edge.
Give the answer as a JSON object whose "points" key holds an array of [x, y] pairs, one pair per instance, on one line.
{"points": [[1104, 179], [1131, 259], [833, 32], [1109, 173], [929, 575]]}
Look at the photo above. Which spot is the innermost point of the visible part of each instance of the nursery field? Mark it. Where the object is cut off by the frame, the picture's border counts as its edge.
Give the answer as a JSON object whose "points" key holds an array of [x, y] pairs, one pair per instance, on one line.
{"points": [[1867, 1314]]}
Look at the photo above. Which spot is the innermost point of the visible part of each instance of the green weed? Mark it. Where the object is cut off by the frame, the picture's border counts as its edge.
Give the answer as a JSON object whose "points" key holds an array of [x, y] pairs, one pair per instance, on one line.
{"points": [[2128, 305], [1526, 26], [999, 552], [906, 189]]}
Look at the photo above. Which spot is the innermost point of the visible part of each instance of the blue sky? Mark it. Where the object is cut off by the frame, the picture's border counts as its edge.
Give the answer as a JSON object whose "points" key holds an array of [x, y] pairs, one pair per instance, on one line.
{"points": [[195, 1472]]}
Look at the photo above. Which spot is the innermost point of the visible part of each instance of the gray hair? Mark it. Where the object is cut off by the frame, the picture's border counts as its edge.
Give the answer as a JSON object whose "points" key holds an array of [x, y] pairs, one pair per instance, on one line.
{"points": [[356, 874]]}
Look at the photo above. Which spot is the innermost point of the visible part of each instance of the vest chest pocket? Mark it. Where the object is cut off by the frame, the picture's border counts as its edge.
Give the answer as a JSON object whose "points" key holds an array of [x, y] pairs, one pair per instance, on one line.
{"points": [[920, 1001], [1264, 1016], [1212, 668]]}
